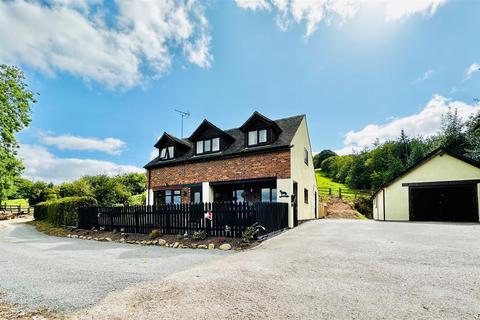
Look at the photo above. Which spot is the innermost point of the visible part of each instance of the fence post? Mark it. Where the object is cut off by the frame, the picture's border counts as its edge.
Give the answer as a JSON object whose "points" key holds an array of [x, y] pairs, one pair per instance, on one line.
{"points": [[111, 221], [340, 193]]}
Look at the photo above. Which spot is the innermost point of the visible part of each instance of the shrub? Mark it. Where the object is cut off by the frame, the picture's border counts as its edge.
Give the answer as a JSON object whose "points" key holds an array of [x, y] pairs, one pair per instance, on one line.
{"points": [[364, 206], [154, 234], [199, 235], [179, 236], [251, 232], [62, 212]]}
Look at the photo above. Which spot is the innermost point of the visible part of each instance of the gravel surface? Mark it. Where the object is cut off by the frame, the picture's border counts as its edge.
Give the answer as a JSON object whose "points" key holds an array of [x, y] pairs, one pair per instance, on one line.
{"points": [[66, 274], [330, 269]]}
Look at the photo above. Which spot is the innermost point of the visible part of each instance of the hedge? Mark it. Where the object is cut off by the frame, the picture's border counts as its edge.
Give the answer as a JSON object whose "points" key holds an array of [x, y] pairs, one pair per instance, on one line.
{"points": [[62, 212]]}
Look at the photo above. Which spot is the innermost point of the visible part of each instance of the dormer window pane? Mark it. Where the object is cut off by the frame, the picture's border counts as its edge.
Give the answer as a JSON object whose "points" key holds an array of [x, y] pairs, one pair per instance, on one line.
{"points": [[200, 146], [163, 153], [170, 152], [262, 136], [216, 144], [252, 138], [208, 146]]}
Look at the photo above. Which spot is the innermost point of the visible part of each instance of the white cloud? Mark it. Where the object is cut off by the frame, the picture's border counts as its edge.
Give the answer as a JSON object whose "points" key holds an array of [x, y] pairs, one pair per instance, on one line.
{"points": [[68, 142], [473, 68], [314, 12], [120, 48], [425, 123], [426, 75], [253, 5], [399, 9], [40, 164]]}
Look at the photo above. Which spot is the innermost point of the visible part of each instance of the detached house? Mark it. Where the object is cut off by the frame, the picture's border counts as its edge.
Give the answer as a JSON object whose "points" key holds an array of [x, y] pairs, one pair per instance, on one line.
{"points": [[261, 161]]}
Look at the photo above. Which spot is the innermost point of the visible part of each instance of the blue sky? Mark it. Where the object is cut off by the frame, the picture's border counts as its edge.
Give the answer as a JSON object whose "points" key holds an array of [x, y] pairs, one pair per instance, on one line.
{"points": [[110, 74]]}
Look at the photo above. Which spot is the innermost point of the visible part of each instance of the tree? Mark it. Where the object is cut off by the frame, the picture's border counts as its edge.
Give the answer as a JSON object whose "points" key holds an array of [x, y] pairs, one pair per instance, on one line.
{"points": [[15, 102], [134, 182], [319, 157], [473, 136], [77, 188], [108, 190], [452, 135]]}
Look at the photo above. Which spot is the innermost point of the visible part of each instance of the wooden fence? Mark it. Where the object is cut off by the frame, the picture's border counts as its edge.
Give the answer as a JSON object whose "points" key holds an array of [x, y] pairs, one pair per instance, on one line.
{"points": [[16, 209], [228, 219], [344, 193]]}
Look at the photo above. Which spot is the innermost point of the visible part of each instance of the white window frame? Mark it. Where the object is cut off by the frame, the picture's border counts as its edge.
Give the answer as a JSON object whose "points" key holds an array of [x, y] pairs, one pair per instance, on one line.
{"points": [[201, 146], [167, 153]]}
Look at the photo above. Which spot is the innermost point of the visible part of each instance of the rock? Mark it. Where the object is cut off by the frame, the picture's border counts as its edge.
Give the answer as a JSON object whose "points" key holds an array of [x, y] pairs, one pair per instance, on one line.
{"points": [[131, 242], [96, 239], [101, 239], [176, 244], [75, 236], [183, 246], [89, 238], [225, 246], [69, 235], [202, 246], [108, 239], [149, 243], [138, 242], [143, 242], [193, 246], [154, 242], [211, 246], [162, 242]]}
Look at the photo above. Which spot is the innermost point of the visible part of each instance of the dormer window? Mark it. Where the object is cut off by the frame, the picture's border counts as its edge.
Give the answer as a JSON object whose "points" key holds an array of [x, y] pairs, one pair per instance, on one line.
{"points": [[257, 137], [208, 146], [167, 153]]}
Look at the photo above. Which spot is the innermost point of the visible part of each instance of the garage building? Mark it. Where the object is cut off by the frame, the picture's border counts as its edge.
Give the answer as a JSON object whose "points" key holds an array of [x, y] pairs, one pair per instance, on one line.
{"points": [[443, 186]]}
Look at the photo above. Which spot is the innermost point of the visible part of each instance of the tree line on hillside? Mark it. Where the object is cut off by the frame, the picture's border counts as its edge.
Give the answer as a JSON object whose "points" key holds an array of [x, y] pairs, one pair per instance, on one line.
{"points": [[373, 167], [119, 190]]}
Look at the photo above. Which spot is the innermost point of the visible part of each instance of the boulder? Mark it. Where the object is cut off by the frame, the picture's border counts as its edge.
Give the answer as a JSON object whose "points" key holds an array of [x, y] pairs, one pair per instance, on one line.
{"points": [[202, 246], [211, 246], [108, 239], [176, 244], [162, 242], [225, 246], [193, 246]]}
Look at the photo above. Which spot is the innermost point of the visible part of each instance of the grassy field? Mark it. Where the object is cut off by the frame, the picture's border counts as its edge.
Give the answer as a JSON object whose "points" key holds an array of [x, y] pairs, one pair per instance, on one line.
{"points": [[16, 202], [325, 183]]}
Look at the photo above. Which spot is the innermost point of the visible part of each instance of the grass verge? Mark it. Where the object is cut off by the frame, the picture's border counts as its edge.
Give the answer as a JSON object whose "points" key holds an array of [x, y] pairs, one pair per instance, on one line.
{"points": [[48, 228]]}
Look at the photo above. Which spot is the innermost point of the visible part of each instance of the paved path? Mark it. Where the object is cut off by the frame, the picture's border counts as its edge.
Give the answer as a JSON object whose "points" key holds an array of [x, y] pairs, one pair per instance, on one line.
{"points": [[330, 269], [333, 269], [66, 274]]}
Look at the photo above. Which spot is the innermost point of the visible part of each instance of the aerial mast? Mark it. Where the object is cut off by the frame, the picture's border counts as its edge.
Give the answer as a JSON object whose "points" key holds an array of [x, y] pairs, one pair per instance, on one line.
{"points": [[183, 114]]}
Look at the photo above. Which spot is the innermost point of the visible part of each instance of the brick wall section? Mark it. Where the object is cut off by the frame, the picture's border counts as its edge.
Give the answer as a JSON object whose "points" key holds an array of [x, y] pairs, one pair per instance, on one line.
{"points": [[273, 164]]}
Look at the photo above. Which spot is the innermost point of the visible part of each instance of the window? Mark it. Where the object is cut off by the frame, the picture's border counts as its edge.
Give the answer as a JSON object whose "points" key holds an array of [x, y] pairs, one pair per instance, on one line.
{"points": [[208, 146], [305, 195], [167, 197], [197, 197], [238, 196], [252, 138], [216, 144], [167, 153], [269, 195], [257, 137], [305, 156], [199, 147]]}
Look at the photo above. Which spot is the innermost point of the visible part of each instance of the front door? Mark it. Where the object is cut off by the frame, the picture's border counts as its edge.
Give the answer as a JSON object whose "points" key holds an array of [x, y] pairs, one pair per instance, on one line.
{"points": [[295, 204]]}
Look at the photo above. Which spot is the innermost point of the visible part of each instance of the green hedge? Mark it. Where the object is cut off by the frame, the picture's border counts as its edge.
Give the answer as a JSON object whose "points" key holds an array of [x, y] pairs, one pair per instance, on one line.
{"points": [[62, 212]]}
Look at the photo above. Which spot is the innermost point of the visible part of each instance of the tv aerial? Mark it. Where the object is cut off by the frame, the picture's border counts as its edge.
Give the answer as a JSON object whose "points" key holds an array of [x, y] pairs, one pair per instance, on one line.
{"points": [[183, 114]]}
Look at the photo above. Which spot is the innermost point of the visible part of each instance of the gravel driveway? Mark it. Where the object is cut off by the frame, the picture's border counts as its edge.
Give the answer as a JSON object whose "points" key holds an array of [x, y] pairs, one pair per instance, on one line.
{"points": [[66, 274], [329, 269]]}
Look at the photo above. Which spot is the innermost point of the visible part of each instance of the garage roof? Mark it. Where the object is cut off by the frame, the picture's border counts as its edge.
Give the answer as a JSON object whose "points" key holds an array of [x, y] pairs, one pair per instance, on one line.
{"points": [[434, 153]]}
